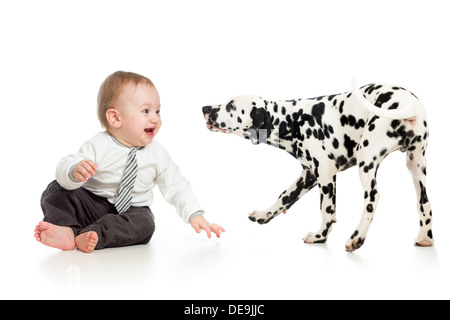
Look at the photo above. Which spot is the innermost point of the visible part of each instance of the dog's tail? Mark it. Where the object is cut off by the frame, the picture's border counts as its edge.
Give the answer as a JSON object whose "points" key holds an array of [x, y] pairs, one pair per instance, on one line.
{"points": [[403, 113]]}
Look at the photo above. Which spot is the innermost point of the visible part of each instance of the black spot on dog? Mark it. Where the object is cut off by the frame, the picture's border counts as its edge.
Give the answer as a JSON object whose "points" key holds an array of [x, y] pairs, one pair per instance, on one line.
{"points": [[349, 144], [341, 161], [369, 167], [344, 120], [372, 87], [328, 226], [307, 118], [395, 123], [383, 98], [393, 106], [335, 143], [317, 111], [341, 106]]}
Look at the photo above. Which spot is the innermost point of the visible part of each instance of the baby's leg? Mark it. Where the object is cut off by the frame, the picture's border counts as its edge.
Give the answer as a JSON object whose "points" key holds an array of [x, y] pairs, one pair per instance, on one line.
{"points": [[66, 213], [136, 226], [55, 236]]}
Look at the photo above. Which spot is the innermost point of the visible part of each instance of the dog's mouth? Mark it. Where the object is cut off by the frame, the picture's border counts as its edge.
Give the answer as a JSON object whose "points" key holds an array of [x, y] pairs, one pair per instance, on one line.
{"points": [[215, 128]]}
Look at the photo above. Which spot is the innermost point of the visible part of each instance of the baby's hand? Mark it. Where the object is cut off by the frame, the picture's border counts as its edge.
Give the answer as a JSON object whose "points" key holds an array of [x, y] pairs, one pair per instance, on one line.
{"points": [[84, 170], [199, 223]]}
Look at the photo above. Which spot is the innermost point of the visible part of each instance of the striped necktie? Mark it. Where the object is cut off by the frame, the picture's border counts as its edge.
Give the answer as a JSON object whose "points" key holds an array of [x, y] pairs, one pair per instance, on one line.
{"points": [[123, 202]]}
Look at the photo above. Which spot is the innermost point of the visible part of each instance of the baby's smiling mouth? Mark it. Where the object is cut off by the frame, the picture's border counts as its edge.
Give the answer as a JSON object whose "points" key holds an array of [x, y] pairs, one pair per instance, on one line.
{"points": [[149, 131]]}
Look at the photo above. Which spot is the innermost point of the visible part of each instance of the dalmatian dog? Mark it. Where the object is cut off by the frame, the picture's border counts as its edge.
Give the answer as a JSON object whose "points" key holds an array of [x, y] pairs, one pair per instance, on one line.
{"points": [[332, 133]]}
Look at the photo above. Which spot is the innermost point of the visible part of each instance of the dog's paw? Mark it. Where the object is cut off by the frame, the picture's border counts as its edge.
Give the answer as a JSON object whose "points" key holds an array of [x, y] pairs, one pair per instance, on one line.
{"points": [[354, 242], [424, 239], [314, 237], [424, 243], [261, 217]]}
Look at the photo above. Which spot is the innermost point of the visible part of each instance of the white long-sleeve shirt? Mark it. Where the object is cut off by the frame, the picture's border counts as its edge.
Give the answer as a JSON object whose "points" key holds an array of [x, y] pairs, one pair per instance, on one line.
{"points": [[155, 167]]}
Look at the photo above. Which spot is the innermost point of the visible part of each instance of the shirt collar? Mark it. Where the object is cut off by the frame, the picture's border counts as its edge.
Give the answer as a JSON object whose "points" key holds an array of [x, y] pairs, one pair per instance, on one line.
{"points": [[121, 144]]}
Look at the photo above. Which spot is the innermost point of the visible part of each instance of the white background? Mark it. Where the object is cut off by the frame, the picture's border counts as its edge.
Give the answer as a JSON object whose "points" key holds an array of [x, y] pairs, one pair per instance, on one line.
{"points": [[55, 54]]}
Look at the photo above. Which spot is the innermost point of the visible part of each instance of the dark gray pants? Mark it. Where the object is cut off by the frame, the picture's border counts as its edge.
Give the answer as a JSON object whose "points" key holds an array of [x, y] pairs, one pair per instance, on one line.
{"points": [[84, 211]]}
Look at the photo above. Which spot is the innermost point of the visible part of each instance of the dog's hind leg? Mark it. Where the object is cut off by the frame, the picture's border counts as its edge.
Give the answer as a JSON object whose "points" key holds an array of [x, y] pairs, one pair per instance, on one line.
{"points": [[371, 197], [370, 155], [327, 187], [303, 184], [367, 173], [416, 163]]}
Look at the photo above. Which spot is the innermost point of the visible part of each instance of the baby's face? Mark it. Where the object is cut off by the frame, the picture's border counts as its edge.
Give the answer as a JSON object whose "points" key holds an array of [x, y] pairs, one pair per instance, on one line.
{"points": [[139, 108]]}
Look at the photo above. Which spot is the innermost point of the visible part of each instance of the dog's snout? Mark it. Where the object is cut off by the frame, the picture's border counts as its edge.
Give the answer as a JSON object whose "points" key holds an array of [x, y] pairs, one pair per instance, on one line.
{"points": [[207, 110]]}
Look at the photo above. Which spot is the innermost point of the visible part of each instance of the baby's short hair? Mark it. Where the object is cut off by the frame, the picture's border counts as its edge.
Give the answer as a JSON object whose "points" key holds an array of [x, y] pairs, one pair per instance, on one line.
{"points": [[111, 89]]}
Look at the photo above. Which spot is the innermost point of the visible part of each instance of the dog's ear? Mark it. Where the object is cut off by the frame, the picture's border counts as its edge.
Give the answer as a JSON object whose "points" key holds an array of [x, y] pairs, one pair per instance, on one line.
{"points": [[262, 125], [261, 119]]}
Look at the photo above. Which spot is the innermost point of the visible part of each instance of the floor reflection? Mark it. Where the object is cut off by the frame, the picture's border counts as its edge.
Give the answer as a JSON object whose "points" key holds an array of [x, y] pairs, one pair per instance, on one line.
{"points": [[108, 273]]}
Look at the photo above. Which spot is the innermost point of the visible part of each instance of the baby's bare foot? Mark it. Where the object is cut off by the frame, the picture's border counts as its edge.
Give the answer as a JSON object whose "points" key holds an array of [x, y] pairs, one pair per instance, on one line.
{"points": [[55, 236], [87, 241]]}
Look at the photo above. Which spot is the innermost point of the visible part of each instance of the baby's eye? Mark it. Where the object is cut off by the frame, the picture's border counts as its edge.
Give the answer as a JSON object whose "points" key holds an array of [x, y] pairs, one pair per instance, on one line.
{"points": [[158, 111], [145, 111]]}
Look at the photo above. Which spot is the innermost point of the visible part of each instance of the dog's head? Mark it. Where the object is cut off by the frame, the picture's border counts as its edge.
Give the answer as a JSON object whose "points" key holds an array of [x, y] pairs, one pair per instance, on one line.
{"points": [[245, 116]]}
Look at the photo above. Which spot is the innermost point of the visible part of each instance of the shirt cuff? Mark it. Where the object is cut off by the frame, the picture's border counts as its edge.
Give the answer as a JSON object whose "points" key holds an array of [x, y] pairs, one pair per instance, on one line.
{"points": [[195, 214], [71, 176]]}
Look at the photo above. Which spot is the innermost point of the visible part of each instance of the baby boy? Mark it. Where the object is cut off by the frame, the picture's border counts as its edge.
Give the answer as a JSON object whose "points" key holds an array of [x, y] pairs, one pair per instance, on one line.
{"points": [[102, 195]]}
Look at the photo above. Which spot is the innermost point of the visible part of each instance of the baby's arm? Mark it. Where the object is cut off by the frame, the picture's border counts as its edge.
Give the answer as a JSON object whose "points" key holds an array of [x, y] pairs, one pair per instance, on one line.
{"points": [[178, 192], [199, 223], [74, 170]]}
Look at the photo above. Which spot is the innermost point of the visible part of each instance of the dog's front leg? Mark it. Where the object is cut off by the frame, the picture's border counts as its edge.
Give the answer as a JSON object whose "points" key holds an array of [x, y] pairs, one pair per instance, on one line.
{"points": [[328, 210], [303, 184]]}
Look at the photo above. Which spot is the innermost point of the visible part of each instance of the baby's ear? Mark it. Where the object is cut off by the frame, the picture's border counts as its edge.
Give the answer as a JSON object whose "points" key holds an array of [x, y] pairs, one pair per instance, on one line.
{"points": [[113, 117]]}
